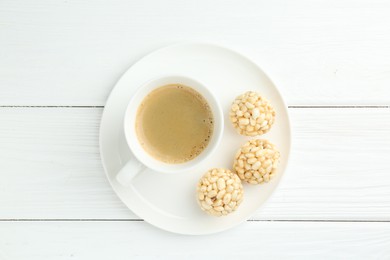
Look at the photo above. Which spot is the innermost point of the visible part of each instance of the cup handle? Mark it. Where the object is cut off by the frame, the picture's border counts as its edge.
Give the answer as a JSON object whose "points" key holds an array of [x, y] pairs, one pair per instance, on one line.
{"points": [[129, 171]]}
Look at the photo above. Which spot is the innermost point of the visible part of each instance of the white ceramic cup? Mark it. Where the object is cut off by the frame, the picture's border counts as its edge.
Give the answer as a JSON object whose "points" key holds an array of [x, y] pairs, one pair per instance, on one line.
{"points": [[142, 160]]}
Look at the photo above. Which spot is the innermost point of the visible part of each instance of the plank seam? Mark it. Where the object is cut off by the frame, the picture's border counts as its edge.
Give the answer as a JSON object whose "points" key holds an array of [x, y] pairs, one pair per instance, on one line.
{"points": [[51, 106], [141, 220], [339, 106]]}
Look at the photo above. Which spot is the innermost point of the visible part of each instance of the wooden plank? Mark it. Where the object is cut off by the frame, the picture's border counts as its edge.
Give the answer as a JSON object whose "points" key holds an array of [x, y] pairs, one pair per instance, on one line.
{"points": [[138, 240], [72, 52], [339, 168], [50, 166]]}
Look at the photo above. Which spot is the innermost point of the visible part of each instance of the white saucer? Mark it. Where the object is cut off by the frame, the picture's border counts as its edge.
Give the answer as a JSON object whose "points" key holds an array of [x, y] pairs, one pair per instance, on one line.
{"points": [[168, 201]]}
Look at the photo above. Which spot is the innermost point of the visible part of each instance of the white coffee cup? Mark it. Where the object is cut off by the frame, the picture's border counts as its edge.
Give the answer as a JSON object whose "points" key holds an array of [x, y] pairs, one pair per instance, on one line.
{"points": [[141, 160]]}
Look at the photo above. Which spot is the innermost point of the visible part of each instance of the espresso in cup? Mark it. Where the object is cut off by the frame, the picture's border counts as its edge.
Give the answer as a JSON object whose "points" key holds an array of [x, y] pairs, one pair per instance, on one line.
{"points": [[174, 123]]}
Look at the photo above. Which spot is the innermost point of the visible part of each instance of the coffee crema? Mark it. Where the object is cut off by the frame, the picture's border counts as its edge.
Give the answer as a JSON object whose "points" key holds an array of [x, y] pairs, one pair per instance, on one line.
{"points": [[174, 123]]}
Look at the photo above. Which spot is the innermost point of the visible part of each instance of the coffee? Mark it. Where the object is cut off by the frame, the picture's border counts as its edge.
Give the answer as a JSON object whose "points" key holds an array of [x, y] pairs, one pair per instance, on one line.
{"points": [[174, 123]]}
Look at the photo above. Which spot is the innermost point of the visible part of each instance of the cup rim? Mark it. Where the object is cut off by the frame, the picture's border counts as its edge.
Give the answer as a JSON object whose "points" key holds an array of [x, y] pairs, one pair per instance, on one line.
{"points": [[180, 167]]}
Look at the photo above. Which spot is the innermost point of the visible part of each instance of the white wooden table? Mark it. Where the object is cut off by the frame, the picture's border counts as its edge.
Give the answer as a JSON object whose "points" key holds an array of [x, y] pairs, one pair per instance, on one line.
{"points": [[59, 59]]}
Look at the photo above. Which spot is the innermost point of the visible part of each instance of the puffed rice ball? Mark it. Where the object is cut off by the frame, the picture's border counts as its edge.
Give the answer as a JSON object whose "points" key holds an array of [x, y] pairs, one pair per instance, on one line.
{"points": [[251, 114], [256, 161], [219, 192]]}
